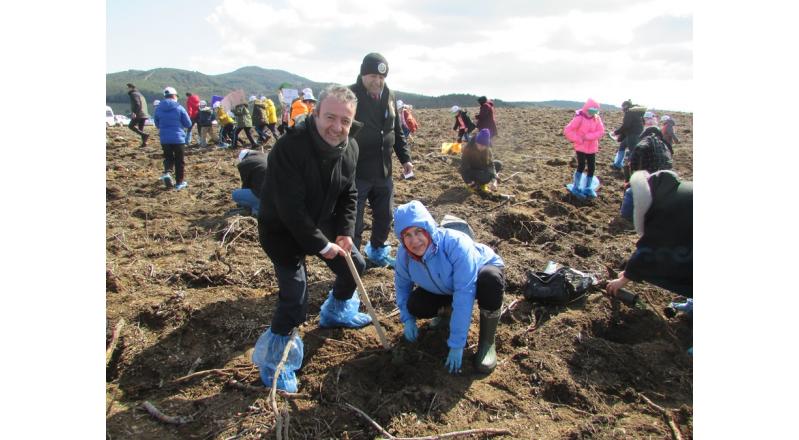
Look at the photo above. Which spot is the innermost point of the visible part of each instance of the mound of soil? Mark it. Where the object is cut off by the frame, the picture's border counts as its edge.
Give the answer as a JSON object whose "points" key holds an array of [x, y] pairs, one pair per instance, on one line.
{"points": [[186, 272]]}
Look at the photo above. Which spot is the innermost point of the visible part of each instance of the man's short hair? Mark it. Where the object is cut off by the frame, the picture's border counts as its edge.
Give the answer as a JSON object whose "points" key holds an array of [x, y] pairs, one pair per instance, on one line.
{"points": [[341, 93], [131, 86]]}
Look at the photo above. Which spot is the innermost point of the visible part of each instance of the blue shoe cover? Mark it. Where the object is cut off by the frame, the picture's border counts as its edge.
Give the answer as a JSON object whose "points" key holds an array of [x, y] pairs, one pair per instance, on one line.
{"points": [[588, 192], [342, 313], [574, 187], [687, 307], [267, 354], [380, 257], [617, 161], [577, 178]]}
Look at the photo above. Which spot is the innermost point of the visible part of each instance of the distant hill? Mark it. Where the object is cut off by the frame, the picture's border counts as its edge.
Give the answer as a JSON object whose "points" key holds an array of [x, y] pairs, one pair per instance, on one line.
{"points": [[256, 81]]}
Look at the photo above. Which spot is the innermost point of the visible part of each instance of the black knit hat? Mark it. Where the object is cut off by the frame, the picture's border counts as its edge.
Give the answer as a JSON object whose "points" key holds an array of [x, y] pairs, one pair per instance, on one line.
{"points": [[374, 63]]}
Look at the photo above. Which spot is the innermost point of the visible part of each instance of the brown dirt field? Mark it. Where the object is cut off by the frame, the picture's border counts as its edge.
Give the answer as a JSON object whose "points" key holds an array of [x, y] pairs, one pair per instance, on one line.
{"points": [[187, 274]]}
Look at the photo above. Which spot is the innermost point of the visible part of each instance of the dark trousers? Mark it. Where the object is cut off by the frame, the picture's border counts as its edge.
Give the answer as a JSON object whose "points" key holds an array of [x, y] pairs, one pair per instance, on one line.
{"points": [[292, 281], [582, 159], [490, 287], [227, 133], [380, 194], [263, 135], [273, 129], [137, 125], [173, 157], [246, 130]]}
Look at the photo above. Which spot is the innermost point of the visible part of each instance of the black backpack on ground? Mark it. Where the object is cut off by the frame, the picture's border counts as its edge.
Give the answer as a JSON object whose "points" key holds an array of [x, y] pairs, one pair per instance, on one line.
{"points": [[561, 287]]}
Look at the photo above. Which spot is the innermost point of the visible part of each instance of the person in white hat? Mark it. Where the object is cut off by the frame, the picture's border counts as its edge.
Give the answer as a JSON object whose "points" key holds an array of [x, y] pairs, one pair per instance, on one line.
{"points": [[463, 124], [302, 106], [226, 125], [667, 128], [172, 121]]}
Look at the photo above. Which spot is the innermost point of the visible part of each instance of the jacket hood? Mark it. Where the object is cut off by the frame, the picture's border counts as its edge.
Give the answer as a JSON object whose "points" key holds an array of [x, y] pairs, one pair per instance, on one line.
{"points": [[588, 104], [652, 130], [637, 109], [415, 214], [168, 105], [646, 188]]}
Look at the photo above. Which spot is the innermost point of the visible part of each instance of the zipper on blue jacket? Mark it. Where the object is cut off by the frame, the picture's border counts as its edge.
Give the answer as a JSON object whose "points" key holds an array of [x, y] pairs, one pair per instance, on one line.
{"points": [[443, 291]]}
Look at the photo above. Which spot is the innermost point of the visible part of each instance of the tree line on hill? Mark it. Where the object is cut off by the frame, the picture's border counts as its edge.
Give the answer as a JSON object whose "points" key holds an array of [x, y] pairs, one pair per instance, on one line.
{"points": [[258, 81]]}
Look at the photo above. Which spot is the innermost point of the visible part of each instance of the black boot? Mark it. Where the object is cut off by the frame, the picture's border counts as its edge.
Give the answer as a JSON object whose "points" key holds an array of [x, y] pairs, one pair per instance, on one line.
{"points": [[486, 359]]}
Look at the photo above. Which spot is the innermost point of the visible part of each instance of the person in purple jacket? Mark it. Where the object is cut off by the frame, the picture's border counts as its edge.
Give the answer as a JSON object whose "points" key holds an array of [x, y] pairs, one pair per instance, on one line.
{"points": [[437, 267], [172, 120]]}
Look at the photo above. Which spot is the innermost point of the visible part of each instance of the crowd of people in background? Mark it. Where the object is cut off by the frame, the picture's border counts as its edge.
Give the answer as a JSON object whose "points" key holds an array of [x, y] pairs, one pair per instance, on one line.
{"points": [[332, 156]]}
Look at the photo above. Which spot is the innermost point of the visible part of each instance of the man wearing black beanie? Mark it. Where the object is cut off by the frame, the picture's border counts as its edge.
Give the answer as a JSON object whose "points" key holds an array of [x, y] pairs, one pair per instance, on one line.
{"points": [[381, 133]]}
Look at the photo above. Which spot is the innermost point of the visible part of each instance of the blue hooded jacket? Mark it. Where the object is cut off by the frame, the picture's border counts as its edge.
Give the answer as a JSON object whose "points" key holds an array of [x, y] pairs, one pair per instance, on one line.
{"points": [[172, 120], [449, 266]]}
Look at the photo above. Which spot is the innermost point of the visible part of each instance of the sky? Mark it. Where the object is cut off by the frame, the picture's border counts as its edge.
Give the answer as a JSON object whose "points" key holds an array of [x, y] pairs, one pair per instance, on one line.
{"points": [[515, 50]]}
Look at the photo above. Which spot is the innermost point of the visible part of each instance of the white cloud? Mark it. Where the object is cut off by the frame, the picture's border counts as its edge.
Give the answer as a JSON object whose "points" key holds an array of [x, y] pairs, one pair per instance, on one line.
{"points": [[542, 50]]}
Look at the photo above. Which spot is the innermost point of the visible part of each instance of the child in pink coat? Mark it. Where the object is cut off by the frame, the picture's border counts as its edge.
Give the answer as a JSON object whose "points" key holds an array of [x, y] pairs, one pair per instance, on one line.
{"points": [[584, 131]]}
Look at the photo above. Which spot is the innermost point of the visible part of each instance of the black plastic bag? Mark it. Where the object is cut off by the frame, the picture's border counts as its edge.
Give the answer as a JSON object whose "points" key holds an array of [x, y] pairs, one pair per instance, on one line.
{"points": [[559, 288]]}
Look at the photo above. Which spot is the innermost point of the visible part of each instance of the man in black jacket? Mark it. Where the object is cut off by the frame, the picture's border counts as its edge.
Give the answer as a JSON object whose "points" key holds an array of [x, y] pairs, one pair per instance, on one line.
{"points": [[309, 200], [381, 133], [138, 113], [252, 170]]}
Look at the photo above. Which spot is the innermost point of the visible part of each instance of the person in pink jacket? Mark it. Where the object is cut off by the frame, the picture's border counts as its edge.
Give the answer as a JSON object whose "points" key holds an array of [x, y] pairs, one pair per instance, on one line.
{"points": [[584, 131]]}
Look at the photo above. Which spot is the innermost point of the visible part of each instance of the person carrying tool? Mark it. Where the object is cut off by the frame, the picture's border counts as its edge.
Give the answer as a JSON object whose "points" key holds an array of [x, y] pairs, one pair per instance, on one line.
{"points": [[309, 200], [447, 268]]}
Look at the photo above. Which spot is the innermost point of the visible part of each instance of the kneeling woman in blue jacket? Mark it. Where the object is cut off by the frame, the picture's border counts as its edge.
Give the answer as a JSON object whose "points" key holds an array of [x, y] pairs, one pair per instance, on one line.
{"points": [[447, 268]]}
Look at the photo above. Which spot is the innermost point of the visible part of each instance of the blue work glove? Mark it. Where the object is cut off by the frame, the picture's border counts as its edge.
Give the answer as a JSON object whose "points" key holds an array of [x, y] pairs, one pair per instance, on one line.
{"points": [[454, 360], [687, 307], [411, 331]]}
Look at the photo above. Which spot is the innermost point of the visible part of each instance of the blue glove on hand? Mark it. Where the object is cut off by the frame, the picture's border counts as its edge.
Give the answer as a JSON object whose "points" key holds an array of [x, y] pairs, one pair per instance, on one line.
{"points": [[411, 331], [454, 360], [687, 307]]}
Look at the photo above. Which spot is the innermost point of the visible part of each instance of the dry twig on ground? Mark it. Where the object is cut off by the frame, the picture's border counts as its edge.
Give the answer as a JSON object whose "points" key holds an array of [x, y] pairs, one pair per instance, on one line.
{"points": [[675, 431], [279, 415], [489, 432], [173, 420], [109, 352]]}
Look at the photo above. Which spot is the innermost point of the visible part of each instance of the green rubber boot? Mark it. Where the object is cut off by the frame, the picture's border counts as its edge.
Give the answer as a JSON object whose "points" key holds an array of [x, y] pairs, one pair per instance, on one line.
{"points": [[486, 359]]}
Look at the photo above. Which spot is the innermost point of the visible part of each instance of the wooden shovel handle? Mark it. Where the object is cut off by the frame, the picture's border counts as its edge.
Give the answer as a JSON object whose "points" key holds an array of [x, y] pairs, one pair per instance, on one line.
{"points": [[365, 298]]}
